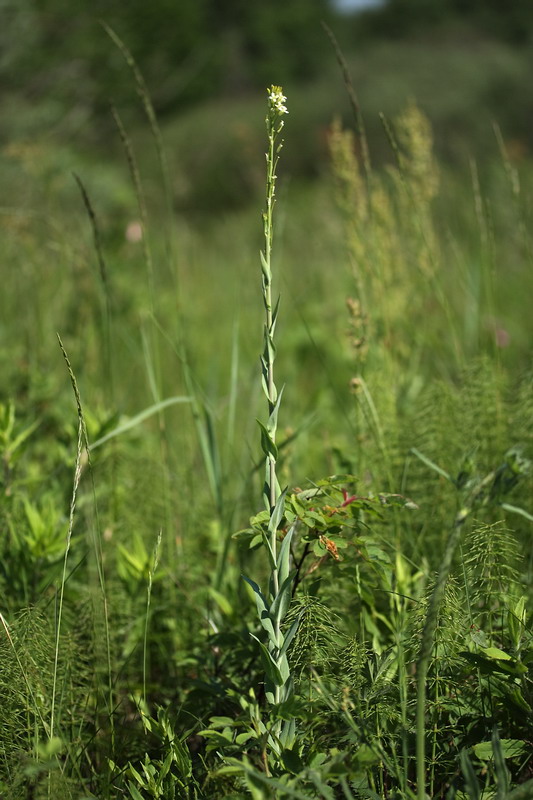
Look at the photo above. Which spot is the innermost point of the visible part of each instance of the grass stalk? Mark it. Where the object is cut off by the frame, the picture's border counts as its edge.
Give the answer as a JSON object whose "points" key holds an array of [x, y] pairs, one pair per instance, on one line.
{"points": [[151, 573], [97, 543], [76, 483], [106, 290]]}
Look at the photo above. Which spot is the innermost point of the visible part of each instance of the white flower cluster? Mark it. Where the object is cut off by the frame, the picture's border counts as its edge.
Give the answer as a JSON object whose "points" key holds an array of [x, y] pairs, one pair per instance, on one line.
{"points": [[277, 100]]}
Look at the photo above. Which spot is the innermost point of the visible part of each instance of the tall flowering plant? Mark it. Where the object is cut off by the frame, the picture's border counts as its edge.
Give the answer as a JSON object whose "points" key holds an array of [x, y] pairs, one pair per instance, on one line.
{"points": [[272, 606]]}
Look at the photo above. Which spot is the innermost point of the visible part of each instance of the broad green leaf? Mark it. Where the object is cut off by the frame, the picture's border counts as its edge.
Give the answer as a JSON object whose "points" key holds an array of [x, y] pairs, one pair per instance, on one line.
{"points": [[479, 637], [314, 519], [257, 540], [299, 508], [493, 663], [242, 738], [291, 761], [511, 748], [220, 722], [495, 652], [319, 549], [258, 520]]}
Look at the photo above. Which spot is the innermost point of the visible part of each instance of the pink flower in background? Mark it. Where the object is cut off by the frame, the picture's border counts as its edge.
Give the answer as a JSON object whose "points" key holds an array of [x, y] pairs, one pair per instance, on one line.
{"points": [[134, 232], [502, 337]]}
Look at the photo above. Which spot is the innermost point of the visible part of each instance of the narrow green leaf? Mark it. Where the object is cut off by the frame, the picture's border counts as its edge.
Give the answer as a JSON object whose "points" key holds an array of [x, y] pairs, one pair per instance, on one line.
{"points": [[221, 601], [134, 421], [275, 312], [262, 609], [270, 349], [285, 554], [260, 777], [517, 510], [284, 669], [522, 792], [264, 267], [281, 602], [273, 419], [269, 665], [21, 438], [427, 461], [267, 444], [287, 736], [502, 774], [271, 557], [471, 782], [277, 513], [134, 792], [165, 767], [516, 618], [291, 633]]}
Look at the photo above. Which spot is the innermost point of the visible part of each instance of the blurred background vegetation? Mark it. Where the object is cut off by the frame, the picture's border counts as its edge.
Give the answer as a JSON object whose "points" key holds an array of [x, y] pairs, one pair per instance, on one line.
{"points": [[206, 64], [57, 66], [467, 65]]}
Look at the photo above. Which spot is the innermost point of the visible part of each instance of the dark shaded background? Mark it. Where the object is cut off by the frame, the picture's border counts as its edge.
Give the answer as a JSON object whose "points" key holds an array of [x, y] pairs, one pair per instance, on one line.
{"points": [[467, 63]]}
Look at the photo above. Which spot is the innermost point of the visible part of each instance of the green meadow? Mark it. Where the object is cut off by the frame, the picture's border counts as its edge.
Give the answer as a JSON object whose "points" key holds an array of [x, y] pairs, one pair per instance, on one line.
{"points": [[252, 549]]}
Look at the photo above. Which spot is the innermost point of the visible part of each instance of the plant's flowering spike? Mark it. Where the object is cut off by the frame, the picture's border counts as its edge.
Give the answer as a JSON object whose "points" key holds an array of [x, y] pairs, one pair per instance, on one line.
{"points": [[277, 100]]}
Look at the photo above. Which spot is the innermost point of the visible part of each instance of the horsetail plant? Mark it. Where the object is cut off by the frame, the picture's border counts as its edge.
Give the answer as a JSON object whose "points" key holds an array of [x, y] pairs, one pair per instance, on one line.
{"points": [[273, 607]]}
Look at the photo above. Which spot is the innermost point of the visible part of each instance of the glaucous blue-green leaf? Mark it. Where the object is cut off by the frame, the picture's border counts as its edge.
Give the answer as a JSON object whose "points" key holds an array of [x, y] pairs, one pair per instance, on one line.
{"points": [[269, 665], [277, 513], [268, 446]]}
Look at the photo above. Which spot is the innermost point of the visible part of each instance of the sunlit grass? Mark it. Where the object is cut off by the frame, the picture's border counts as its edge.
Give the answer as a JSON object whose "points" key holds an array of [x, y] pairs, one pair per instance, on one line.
{"points": [[415, 396]]}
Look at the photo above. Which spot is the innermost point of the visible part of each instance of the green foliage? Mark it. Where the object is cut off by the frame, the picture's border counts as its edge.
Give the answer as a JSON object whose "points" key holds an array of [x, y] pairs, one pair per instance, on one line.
{"points": [[188, 50], [134, 660]]}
